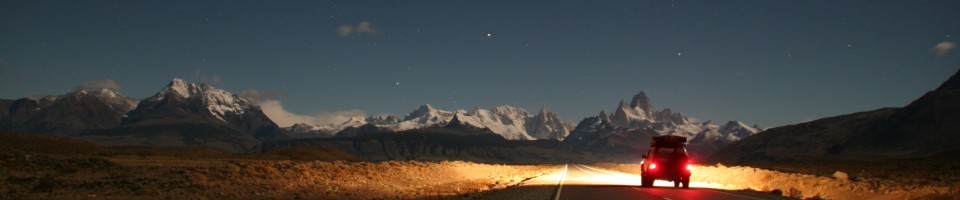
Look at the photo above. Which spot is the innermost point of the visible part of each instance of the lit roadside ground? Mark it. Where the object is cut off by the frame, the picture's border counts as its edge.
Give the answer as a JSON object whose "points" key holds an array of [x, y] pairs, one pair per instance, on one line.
{"points": [[541, 187], [575, 181], [602, 176], [588, 182]]}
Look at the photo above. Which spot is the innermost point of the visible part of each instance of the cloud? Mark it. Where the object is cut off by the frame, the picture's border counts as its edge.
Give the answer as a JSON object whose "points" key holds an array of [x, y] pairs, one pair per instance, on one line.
{"points": [[366, 27], [97, 84], [258, 96], [942, 48], [345, 30], [274, 109], [362, 27]]}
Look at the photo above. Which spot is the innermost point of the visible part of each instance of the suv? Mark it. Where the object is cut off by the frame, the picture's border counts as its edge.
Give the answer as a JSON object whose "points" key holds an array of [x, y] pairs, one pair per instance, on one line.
{"points": [[666, 160]]}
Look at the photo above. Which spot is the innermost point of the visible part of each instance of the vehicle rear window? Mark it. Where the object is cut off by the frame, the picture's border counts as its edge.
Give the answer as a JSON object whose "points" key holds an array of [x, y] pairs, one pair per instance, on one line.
{"points": [[662, 153]]}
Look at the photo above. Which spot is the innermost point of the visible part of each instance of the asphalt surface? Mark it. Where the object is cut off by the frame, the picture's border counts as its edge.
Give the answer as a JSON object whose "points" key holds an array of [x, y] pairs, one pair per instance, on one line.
{"points": [[576, 181]]}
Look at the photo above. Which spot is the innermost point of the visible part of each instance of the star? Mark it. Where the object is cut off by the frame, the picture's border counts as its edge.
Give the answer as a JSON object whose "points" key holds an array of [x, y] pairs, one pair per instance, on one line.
{"points": [[489, 35], [679, 53]]}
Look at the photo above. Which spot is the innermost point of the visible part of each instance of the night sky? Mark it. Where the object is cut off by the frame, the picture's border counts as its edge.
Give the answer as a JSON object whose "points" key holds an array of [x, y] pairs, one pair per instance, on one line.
{"points": [[770, 63]]}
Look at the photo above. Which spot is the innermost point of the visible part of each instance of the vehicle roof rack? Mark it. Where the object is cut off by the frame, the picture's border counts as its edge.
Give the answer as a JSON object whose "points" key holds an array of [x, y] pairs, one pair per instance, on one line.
{"points": [[668, 141]]}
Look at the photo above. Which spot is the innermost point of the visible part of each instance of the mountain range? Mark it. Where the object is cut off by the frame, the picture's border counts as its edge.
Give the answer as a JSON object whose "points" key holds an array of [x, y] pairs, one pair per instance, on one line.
{"points": [[69, 114], [180, 114], [509, 122], [196, 114], [630, 128]]}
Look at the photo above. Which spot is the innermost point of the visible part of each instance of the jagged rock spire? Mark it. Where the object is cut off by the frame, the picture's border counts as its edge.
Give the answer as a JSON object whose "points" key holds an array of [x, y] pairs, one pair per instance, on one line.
{"points": [[642, 103]]}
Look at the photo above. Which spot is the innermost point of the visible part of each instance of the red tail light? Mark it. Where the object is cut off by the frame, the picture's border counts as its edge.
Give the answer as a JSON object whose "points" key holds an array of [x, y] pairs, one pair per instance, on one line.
{"points": [[653, 165], [689, 167]]}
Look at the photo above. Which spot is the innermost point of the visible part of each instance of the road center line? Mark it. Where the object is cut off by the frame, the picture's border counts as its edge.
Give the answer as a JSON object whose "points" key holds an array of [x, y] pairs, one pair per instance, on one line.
{"points": [[733, 194], [560, 187], [604, 171], [584, 170]]}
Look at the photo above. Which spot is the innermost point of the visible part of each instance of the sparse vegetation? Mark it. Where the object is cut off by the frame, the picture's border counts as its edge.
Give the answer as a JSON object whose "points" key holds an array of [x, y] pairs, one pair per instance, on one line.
{"points": [[35, 170]]}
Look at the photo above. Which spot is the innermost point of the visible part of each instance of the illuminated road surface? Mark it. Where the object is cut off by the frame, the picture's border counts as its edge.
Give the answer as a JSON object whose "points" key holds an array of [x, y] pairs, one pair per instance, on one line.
{"points": [[584, 182]]}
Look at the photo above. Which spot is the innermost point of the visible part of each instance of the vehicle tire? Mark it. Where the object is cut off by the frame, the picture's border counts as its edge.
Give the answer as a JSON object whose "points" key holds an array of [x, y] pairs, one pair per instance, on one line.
{"points": [[646, 182], [686, 182]]}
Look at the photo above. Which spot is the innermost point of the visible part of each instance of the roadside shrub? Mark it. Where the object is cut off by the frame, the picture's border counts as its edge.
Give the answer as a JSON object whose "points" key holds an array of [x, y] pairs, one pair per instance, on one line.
{"points": [[261, 170], [198, 178], [233, 169], [841, 176]]}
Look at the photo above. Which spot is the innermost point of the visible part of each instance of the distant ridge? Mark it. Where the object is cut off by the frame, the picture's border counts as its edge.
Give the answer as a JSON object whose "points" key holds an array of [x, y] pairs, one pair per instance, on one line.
{"points": [[926, 126]]}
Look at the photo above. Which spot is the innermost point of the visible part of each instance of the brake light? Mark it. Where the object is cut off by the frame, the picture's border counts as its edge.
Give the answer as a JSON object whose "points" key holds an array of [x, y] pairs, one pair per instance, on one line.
{"points": [[689, 167], [653, 165]]}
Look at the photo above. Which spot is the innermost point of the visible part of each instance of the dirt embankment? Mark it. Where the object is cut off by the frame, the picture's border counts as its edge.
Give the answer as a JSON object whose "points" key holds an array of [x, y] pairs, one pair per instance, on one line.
{"points": [[919, 184]]}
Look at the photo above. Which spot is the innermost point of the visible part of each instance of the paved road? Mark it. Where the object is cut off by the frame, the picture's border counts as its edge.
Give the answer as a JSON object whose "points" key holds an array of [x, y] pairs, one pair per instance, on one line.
{"points": [[586, 182]]}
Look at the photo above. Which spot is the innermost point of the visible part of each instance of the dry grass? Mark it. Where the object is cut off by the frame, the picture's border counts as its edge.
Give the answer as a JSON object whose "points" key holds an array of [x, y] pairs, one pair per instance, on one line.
{"points": [[35, 170]]}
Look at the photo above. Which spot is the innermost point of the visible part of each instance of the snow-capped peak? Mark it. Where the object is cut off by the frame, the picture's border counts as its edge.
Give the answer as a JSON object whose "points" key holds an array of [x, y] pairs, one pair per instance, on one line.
{"points": [[642, 103], [112, 98], [739, 129], [510, 122], [301, 127], [547, 125], [422, 111], [179, 87], [383, 119], [543, 109], [104, 92], [219, 102], [626, 116]]}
